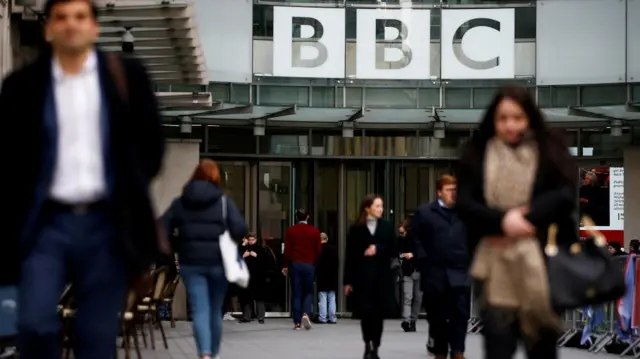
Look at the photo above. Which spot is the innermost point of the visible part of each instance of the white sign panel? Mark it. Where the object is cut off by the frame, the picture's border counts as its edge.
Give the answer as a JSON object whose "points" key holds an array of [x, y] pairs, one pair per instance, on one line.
{"points": [[308, 42], [487, 46], [404, 52], [616, 199]]}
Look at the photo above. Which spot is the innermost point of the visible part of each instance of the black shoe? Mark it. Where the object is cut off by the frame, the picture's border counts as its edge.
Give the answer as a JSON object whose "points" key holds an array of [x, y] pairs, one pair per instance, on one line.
{"points": [[367, 351], [374, 352], [261, 321], [244, 320], [406, 326], [412, 327]]}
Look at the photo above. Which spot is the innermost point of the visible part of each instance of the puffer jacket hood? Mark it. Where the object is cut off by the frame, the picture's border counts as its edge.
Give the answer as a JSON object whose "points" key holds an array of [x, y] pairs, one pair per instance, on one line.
{"points": [[200, 194]]}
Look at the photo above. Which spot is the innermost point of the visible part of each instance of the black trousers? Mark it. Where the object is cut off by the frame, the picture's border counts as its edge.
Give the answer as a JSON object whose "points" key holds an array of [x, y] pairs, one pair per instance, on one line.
{"points": [[372, 326], [502, 333], [448, 317]]}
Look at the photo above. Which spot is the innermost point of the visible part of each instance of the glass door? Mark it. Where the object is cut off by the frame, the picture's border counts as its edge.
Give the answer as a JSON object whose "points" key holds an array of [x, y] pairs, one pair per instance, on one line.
{"points": [[275, 193], [234, 179]]}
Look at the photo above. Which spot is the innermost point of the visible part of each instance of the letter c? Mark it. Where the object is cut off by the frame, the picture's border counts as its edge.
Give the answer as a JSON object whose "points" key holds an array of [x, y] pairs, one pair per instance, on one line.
{"points": [[459, 51]]}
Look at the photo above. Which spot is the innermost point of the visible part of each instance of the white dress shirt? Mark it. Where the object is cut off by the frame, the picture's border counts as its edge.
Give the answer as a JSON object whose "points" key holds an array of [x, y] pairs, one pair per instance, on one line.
{"points": [[78, 175]]}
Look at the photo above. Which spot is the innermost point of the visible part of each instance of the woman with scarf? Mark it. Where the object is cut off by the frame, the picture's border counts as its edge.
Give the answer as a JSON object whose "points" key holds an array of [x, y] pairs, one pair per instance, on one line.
{"points": [[515, 180]]}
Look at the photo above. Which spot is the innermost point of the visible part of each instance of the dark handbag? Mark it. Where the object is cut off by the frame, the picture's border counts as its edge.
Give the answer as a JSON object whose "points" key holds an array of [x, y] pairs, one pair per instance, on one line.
{"points": [[584, 274]]}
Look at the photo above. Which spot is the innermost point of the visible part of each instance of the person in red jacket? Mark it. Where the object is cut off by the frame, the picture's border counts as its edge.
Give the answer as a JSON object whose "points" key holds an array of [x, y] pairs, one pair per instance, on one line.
{"points": [[302, 248]]}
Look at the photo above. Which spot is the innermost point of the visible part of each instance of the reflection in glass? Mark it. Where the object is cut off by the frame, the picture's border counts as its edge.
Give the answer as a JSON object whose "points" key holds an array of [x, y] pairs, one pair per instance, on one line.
{"points": [[600, 143], [232, 178], [358, 184], [274, 209], [285, 143], [327, 181], [231, 140], [391, 97], [414, 188], [448, 147], [303, 196], [603, 95], [391, 144], [333, 144]]}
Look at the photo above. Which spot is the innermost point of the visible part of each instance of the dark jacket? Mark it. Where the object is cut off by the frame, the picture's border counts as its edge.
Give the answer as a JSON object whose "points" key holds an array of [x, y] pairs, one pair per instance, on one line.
{"points": [[327, 268], [134, 144], [405, 245], [197, 216], [258, 269], [372, 278], [302, 244], [553, 201], [440, 242]]}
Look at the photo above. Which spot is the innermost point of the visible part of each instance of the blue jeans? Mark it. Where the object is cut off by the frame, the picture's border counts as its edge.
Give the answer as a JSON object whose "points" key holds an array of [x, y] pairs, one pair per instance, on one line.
{"points": [[327, 301], [206, 289], [302, 277]]}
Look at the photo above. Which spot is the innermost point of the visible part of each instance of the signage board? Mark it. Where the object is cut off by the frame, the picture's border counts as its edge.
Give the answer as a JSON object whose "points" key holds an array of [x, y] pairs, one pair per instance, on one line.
{"points": [[394, 43], [602, 199]]}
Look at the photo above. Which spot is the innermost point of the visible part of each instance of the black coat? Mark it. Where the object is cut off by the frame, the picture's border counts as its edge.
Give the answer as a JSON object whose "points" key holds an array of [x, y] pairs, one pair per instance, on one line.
{"points": [[372, 278], [197, 216], [135, 145], [553, 201], [440, 243], [327, 268], [258, 269], [405, 245]]}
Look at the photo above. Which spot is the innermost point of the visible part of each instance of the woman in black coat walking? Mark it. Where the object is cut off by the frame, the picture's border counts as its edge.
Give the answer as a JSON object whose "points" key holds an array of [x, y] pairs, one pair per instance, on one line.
{"points": [[327, 281], [256, 258], [368, 276]]}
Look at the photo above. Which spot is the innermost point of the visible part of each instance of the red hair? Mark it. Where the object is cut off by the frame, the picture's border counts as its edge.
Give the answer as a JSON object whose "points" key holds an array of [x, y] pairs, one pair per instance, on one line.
{"points": [[207, 170]]}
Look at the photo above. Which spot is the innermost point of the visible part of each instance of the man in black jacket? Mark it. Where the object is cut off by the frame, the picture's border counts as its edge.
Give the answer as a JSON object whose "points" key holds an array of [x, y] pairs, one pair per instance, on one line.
{"points": [[90, 142], [440, 244]]}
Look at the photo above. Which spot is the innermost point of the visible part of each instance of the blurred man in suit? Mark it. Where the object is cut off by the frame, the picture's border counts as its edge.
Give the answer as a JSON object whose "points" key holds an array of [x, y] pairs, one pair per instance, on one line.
{"points": [[79, 205], [440, 244]]}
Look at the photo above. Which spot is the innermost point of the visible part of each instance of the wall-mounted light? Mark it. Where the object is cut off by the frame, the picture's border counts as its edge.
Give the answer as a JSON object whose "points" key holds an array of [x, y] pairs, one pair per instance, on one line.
{"points": [[186, 125], [259, 127], [439, 130], [347, 129], [616, 128]]}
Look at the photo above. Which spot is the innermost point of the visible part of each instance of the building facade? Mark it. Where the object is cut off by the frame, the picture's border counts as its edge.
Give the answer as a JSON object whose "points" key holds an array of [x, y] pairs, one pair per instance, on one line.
{"points": [[322, 102]]}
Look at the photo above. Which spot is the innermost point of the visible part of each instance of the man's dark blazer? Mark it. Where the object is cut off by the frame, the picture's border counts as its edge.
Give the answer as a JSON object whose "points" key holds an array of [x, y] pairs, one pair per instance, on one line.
{"points": [[135, 147]]}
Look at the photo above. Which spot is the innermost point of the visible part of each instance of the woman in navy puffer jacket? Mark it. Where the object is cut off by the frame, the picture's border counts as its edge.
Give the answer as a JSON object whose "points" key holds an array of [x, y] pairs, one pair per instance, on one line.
{"points": [[198, 218]]}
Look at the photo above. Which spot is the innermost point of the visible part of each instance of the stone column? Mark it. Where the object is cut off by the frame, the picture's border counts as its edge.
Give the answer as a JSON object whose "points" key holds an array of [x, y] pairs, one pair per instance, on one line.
{"points": [[180, 160], [631, 163]]}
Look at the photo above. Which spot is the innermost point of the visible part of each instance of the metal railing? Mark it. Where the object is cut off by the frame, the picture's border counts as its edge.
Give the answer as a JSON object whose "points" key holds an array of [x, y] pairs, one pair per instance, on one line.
{"points": [[600, 336]]}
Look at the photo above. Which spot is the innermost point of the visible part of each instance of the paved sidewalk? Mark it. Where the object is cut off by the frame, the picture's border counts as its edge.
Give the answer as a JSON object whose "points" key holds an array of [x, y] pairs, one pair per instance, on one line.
{"points": [[276, 340]]}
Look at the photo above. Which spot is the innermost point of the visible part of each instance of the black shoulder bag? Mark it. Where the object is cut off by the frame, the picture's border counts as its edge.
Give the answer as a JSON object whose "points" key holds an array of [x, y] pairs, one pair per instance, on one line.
{"points": [[584, 274]]}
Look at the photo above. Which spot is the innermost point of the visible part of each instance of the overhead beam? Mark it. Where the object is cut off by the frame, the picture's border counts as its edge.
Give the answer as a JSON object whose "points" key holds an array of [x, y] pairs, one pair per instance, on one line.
{"points": [[183, 43], [172, 23], [633, 107], [356, 115], [160, 51], [166, 10], [284, 112], [141, 33], [582, 112]]}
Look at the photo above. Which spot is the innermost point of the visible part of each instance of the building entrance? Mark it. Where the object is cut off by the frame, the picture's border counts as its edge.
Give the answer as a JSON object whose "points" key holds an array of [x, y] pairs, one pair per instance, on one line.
{"points": [[269, 192]]}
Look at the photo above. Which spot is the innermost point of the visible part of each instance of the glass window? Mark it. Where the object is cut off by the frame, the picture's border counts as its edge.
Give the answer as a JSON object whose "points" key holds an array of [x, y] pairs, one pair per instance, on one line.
{"points": [[220, 92], [457, 97], [482, 97], [562, 96], [323, 96], [570, 139], [449, 146], [262, 20], [231, 140], [285, 143], [173, 131], [603, 95], [391, 97], [188, 88], [635, 93], [391, 144], [284, 95], [429, 98], [353, 96], [600, 143], [240, 93], [331, 143]]}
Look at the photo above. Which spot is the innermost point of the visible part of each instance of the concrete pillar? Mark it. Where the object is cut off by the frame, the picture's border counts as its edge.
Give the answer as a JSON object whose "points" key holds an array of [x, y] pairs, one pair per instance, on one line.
{"points": [[631, 163], [180, 159]]}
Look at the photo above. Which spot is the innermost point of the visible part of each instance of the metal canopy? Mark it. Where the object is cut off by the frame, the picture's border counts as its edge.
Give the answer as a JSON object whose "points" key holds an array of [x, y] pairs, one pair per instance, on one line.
{"points": [[164, 37], [374, 118], [184, 99], [629, 112]]}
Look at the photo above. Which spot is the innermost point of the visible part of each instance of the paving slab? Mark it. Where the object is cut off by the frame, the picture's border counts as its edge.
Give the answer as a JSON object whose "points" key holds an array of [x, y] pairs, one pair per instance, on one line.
{"points": [[276, 340]]}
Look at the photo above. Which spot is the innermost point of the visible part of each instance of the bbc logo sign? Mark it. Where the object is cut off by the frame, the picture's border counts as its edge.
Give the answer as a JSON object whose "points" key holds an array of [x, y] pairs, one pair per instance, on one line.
{"points": [[475, 43]]}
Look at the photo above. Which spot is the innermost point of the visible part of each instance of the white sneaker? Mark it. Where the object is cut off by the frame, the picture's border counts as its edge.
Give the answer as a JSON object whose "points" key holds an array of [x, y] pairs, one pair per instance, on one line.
{"points": [[228, 316], [306, 322]]}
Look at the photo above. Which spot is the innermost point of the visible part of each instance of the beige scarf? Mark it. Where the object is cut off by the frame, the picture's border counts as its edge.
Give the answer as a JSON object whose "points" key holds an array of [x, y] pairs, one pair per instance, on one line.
{"points": [[514, 275]]}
